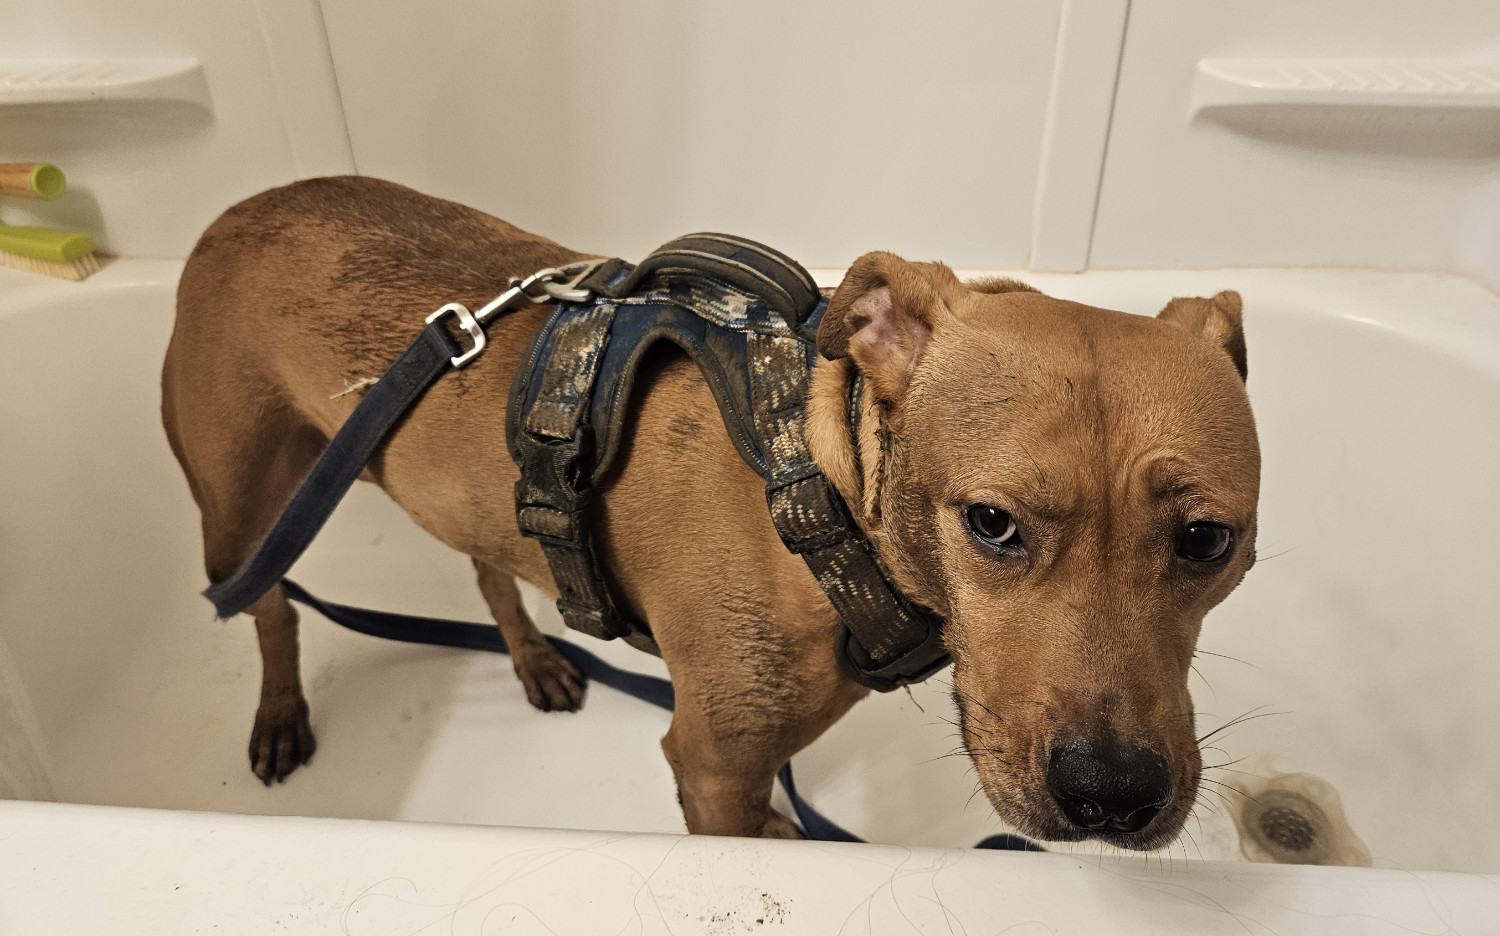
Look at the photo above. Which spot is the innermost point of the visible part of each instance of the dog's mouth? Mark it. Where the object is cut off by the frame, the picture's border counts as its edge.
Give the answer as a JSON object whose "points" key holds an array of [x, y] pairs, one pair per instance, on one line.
{"points": [[1044, 821], [1072, 791]]}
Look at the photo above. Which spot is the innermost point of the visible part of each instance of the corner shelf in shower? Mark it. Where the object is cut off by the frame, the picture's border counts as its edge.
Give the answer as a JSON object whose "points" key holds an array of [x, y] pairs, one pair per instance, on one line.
{"points": [[167, 80], [1404, 83]]}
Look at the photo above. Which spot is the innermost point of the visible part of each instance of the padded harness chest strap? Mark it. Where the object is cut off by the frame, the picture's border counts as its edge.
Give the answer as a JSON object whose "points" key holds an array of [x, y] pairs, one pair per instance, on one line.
{"points": [[752, 268]]}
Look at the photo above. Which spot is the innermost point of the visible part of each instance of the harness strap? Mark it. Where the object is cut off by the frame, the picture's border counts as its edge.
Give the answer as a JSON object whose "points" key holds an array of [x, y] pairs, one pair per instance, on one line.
{"points": [[554, 448], [336, 470], [553, 441], [888, 641]]}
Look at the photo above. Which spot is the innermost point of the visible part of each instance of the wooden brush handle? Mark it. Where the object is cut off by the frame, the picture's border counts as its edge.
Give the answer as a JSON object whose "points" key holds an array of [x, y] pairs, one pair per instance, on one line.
{"points": [[31, 180]]}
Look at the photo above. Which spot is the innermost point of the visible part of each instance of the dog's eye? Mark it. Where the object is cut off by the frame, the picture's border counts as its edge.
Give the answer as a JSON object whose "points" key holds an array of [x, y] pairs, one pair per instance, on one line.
{"points": [[1204, 542], [993, 525]]}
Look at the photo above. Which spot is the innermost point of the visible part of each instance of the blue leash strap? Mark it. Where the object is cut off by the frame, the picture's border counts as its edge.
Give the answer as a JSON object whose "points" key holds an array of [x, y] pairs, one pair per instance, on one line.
{"points": [[466, 636], [651, 689], [336, 470]]}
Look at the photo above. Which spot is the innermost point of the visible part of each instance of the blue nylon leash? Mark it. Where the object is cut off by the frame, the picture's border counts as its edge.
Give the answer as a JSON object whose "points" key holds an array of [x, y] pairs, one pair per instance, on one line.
{"points": [[336, 470], [651, 689]]}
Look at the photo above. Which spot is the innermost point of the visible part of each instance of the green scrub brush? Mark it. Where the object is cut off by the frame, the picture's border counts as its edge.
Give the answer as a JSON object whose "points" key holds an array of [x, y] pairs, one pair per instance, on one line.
{"points": [[52, 253]]}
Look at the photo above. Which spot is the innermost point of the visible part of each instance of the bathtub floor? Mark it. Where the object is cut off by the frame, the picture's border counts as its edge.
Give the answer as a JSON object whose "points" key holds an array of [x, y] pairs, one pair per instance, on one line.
{"points": [[403, 731]]}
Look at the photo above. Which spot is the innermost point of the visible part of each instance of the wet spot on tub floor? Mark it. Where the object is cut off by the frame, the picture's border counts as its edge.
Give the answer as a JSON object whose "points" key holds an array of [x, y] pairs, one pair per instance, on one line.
{"points": [[1296, 819]]}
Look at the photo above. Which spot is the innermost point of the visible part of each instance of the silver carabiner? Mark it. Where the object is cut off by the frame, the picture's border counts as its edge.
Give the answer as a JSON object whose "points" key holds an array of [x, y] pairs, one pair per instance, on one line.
{"points": [[575, 273], [558, 284]]}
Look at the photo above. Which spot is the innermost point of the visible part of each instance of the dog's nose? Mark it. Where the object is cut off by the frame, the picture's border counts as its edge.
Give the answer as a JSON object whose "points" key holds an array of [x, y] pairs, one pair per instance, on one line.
{"points": [[1109, 786]]}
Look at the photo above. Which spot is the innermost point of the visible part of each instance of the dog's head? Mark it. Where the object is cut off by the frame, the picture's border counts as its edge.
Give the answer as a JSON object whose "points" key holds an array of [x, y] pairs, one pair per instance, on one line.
{"points": [[1072, 489]]}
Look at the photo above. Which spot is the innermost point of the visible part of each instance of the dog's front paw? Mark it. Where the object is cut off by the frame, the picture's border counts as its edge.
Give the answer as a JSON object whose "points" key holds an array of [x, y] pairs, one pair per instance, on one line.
{"points": [[552, 683], [282, 739], [779, 826]]}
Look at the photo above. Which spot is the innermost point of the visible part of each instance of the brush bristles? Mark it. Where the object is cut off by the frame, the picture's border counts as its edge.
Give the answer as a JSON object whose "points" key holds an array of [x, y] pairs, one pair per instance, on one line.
{"points": [[74, 270]]}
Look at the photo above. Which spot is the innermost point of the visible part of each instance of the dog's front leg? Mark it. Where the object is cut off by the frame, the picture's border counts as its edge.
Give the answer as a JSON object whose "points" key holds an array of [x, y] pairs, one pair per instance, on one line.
{"points": [[724, 783], [552, 684], [746, 702]]}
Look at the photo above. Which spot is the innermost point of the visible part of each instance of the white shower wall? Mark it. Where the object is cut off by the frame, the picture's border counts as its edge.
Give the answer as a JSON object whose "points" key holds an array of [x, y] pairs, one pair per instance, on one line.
{"points": [[982, 133], [825, 129], [1278, 184], [146, 176]]}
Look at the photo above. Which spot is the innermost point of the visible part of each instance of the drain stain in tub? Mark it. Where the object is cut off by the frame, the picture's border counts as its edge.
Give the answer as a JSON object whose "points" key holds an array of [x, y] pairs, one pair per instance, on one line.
{"points": [[1296, 819]]}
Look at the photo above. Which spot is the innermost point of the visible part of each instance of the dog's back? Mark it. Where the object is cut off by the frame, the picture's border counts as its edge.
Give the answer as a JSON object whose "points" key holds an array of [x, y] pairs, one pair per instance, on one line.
{"points": [[338, 274], [297, 298]]}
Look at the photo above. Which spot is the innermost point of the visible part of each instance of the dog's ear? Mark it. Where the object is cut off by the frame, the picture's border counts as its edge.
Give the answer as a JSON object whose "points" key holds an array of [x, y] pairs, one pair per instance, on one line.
{"points": [[882, 315], [1218, 319]]}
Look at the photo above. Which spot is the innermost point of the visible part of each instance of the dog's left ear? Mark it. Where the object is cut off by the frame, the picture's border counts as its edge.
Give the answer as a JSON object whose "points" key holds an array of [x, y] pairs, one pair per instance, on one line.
{"points": [[1218, 319], [882, 315]]}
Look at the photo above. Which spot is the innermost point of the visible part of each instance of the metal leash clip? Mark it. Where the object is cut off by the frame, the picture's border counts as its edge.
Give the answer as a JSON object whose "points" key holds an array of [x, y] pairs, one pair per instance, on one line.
{"points": [[554, 284]]}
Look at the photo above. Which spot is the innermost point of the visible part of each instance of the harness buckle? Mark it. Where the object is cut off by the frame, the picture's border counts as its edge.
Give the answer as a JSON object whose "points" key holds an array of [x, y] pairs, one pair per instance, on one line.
{"points": [[468, 323]]}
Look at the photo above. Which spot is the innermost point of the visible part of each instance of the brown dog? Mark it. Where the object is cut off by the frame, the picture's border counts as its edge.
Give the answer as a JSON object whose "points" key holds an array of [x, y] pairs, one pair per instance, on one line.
{"points": [[1071, 488]]}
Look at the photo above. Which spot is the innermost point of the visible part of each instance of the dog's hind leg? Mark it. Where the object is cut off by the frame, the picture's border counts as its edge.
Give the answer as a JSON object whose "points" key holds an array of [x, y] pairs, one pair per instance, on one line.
{"points": [[250, 500], [552, 683], [282, 739], [242, 464]]}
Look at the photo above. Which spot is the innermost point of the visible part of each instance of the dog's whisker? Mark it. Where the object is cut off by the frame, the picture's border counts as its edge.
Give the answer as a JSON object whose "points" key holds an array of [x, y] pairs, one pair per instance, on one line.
{"points": [[1248, 716], [1213, 789], [913, 699], [1199, 673], [1224, 765], [1228, 803], [1224, 656], [968, 696], [1199, 848], [1207, 804], [978, 789], [1259, 558]]}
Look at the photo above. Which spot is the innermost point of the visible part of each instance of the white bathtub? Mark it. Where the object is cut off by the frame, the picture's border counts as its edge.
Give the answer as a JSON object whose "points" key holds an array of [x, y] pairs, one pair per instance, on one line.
{"points": [[1369, 628]]}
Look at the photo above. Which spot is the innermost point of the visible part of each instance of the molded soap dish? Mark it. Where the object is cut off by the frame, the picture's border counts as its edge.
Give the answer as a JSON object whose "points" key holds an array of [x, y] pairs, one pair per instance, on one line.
{"points": [[55, 82], [1431, 83]]}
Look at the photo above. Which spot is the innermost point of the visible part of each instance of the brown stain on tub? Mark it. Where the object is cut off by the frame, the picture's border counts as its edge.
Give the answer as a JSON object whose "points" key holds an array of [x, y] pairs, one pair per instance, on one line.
{"points": [[756, 912]]}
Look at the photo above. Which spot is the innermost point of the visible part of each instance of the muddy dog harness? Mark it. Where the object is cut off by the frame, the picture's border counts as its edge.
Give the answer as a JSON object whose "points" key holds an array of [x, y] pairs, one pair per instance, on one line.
{"points": [[748, 317]]}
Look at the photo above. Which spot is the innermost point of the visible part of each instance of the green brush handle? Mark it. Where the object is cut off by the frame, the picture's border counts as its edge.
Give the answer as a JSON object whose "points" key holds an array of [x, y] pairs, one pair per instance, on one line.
{"points": [[39, 180], [31, 180], [42, 244]]}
